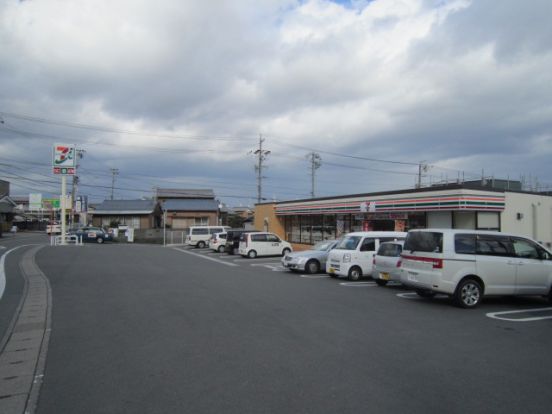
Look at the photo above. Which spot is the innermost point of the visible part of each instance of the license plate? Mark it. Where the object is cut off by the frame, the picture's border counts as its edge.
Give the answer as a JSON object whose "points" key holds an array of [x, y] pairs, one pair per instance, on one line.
{"points": [[384, 276], [331, 270], [412, 277]]}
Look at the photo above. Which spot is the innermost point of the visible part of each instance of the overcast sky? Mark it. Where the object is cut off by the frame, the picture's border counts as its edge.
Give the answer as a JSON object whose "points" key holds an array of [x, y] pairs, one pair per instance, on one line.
{"points": [[175, 93]]}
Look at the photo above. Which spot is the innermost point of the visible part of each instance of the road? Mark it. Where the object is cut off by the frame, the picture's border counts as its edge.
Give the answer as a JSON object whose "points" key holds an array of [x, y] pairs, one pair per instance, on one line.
{"points": [[147, 329]]}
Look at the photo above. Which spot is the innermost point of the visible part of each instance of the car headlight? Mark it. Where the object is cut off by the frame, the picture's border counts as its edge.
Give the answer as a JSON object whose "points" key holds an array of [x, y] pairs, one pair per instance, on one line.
{"points": [[346, 257]]}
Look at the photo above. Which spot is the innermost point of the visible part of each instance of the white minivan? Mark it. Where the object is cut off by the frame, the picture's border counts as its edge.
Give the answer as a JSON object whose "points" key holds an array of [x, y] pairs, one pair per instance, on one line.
{"points": [[198, 236], [353, 257], [263, 244], [470, 264]]}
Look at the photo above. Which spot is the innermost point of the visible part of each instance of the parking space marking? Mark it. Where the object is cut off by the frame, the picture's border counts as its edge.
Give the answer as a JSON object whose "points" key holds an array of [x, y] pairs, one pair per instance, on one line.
{"points": [[257, 259], [274, 267], [498, 315], [314, 276], [415, 296], [207, 257], [358, 284]]}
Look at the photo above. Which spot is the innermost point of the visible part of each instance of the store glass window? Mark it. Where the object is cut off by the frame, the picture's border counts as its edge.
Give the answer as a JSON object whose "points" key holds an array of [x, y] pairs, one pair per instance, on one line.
{"points": [[294, 232], [317, 232], [306, 224], [329, 227], [357, 222]]}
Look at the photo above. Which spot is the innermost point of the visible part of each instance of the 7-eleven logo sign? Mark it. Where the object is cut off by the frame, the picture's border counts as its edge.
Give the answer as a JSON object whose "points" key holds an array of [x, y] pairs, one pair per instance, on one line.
{"points": [[64, 159]]}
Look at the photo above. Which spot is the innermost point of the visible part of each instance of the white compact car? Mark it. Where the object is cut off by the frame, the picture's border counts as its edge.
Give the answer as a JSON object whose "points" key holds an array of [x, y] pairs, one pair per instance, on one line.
{"points": [[263, 244], [198, 236], [353, 257], [470, 264], [387, 263], [217, 242]]}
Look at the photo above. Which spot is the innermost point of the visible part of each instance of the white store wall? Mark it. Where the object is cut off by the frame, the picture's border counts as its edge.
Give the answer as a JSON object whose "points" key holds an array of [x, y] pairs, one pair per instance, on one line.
{"points": [[536, 216]]}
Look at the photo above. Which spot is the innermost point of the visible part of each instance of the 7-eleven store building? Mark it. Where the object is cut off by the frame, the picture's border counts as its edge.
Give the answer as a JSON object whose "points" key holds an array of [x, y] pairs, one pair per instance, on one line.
{"points": [[305, 222]]}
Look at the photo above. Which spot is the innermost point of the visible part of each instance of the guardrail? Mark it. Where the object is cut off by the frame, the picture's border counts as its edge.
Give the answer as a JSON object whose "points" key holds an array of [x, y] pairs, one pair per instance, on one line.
{"points": [[69, 239]]}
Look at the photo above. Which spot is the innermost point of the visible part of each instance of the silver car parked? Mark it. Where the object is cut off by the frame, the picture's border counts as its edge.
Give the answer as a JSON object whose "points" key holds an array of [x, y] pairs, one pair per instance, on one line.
{"points": [[387, 262], [309, 261]]}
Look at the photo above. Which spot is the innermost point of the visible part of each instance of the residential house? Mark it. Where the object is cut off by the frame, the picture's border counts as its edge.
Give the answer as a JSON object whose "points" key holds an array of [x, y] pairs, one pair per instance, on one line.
{"points": [[137, 214], [188, 207]]}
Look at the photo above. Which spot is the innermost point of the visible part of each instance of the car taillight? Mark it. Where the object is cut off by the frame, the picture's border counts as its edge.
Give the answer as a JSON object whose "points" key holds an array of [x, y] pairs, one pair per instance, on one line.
{"points": [[399, 263], [436, 263], [374, 261]]}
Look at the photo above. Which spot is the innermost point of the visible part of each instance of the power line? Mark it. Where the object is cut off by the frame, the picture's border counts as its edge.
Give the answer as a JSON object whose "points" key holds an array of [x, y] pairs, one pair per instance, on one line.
{"points": [[70, 124]]}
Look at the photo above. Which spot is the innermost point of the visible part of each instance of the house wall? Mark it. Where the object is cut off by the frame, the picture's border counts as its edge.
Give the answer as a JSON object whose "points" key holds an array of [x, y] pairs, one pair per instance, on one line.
{"points": [[188, 218], [146, 220]]}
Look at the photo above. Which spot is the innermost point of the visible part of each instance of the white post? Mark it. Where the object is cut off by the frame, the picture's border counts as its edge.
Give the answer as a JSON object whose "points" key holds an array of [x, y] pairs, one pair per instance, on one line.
{"points": [[165, 228], [62, 205]]}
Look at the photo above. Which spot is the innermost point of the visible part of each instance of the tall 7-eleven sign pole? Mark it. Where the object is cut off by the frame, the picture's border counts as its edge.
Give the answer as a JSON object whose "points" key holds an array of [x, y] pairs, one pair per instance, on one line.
{"points": [[64, 164]]}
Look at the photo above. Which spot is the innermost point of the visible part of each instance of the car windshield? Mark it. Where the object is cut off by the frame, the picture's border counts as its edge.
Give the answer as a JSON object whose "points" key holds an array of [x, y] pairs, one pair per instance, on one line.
{"points": [[323, 245], [424, 241], [349, 243]]}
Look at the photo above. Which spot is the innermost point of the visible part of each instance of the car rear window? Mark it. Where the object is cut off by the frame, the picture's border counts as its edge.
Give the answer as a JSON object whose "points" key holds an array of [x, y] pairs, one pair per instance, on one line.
{"points": [[424, 241], [390, 250]]}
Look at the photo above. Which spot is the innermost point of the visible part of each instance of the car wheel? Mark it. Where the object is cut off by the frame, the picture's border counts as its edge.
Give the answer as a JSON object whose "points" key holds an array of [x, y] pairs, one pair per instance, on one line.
{"points": [[285, 251], [425, 293], [355, 273], [200, 244], [99, 240], [252, 254], [381, 282], [221, 249], [468, 293], [312, 266]]}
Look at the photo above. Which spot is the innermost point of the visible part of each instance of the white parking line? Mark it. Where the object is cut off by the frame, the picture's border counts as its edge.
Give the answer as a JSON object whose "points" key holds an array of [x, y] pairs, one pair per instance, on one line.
{"points": [[207, 258], [257, 259], [3, 269], [358, 284], [314, 276], [497, 315], [414, 295], [272, 266]]}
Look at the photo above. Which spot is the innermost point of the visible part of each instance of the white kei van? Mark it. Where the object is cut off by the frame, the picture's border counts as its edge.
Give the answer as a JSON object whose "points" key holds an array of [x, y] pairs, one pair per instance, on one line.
{"points": [[353, 257], [263, 244], [470, 264], [198, 236]]}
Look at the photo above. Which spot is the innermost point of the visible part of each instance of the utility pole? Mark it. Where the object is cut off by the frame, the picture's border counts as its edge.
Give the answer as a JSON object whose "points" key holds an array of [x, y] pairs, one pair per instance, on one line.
{"points": [[114, 172], [422, 167], [316, 162], [261, 156], [80, 155]]}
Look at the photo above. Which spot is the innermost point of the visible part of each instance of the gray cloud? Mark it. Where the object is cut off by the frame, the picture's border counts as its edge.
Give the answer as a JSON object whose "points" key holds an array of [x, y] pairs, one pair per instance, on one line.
{"points": [[462, 85]]}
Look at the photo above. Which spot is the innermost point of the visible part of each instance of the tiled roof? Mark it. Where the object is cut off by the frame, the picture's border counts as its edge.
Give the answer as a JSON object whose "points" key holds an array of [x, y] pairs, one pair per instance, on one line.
{"points": [[184, 193], [190, 205], [125, 207]]}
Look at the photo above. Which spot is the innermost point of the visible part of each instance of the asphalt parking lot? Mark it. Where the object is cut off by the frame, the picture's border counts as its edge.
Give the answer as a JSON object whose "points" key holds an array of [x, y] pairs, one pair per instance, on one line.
{"points": [[156, 330], [511, 309]]}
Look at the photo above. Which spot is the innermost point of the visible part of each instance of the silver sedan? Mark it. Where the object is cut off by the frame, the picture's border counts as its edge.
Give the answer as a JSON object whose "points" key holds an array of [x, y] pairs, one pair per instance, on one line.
{"points": [[309, 261]]}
